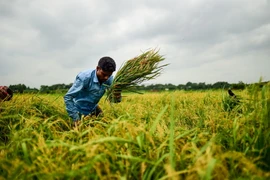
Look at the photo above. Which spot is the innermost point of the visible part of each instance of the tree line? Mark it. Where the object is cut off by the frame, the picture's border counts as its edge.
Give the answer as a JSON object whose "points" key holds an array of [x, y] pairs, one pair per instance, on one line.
{"points": [[63, 88]]}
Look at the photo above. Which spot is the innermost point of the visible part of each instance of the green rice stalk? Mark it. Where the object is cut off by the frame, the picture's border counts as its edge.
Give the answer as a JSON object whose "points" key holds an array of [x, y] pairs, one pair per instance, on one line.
{"points": [[172, 131], [135, 71], [155, 123]]}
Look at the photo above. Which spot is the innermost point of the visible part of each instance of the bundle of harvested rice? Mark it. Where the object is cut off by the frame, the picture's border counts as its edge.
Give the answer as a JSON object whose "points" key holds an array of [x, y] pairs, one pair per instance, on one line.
{"points": [[135, 71]]}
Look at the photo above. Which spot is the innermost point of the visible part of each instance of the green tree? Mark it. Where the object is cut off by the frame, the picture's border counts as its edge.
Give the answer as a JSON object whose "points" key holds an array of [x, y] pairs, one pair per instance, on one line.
{"points": [[18, 88]]}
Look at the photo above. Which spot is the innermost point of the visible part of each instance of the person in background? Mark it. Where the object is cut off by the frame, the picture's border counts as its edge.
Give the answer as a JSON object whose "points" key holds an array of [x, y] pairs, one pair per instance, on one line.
{"points": [[6, 93], [88, 88]]}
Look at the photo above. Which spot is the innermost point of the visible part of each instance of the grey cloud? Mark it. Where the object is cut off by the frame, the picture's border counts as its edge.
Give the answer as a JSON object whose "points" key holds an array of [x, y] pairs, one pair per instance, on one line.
{"points": [[207, 23], [201, 40], [52, 32]]}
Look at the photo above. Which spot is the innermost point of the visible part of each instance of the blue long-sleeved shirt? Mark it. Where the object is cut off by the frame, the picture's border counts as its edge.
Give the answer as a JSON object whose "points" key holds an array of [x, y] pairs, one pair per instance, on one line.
{"points": [[85, 94]]}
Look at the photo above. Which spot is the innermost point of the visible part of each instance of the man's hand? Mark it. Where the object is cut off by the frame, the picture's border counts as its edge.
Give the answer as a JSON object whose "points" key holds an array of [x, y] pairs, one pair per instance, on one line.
{"points": [[116, 96]]}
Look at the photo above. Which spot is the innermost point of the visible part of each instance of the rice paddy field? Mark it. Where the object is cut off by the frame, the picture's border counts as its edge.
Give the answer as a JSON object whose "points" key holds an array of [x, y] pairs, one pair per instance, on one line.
{"points": [[155, 135]]}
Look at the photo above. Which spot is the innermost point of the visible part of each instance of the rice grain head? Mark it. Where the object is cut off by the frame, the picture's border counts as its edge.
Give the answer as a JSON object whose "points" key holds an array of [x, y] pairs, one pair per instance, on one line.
{"points": [[135, 71]]}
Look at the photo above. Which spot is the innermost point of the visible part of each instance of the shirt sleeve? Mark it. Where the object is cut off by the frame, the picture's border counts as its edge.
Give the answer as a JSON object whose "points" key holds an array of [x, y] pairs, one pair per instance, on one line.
{"points": [[70, 95]]}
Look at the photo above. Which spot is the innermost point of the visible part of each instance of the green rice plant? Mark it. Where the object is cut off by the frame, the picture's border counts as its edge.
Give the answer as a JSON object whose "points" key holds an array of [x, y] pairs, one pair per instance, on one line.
{"points": [[135, 71], [152, 136], [231, 103], [172, 135]]}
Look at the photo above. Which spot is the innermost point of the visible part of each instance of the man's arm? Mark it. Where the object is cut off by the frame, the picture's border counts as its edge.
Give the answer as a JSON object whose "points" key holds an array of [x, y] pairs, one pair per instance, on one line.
{"points": [[68, 98], [116, 96]]}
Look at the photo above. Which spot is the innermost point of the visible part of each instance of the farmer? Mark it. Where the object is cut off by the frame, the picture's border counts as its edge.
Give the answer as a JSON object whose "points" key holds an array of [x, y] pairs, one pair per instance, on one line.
{"points": [[5, 93], [88, 88]]}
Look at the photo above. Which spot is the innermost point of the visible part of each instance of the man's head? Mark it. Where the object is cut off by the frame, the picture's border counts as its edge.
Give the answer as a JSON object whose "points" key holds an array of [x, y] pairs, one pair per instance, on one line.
{"points": [[106, 66]]}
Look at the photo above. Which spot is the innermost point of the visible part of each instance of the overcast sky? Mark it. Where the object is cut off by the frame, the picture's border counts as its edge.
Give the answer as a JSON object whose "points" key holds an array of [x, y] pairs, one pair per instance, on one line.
{"points": [[46, 42]]}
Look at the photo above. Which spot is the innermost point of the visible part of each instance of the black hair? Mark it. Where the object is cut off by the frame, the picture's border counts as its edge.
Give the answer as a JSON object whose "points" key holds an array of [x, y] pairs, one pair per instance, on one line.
{"points": [[107, 64]]}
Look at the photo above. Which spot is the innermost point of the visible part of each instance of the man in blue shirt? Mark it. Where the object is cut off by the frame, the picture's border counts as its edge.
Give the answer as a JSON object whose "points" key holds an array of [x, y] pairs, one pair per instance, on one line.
{"points": [[88, 88]]}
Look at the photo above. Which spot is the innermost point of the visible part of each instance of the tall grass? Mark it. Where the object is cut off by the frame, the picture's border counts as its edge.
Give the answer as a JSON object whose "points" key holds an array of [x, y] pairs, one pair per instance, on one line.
{"points": [[168, 135]]}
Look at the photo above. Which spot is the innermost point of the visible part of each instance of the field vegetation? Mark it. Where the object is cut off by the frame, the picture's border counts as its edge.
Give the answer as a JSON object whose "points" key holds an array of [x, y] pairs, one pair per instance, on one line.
{"points": [[157, 135]]}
